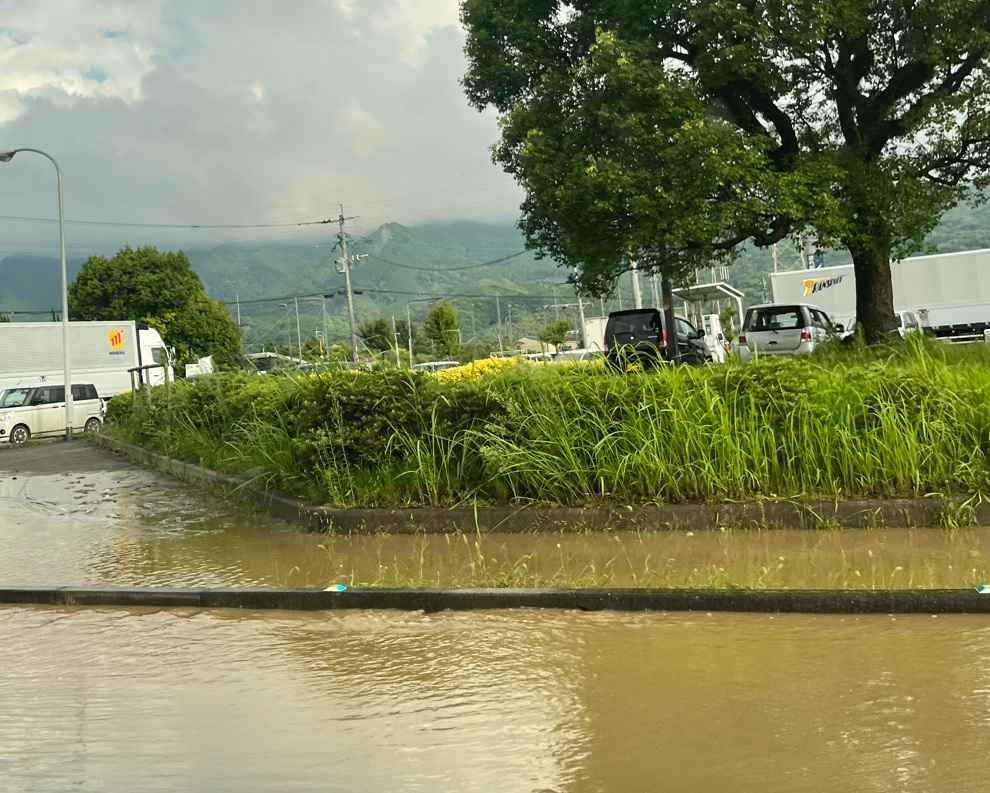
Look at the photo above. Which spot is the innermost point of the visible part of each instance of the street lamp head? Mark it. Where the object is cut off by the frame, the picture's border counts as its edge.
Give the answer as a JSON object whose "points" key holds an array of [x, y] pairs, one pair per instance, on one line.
{"points": [[7, 156]]}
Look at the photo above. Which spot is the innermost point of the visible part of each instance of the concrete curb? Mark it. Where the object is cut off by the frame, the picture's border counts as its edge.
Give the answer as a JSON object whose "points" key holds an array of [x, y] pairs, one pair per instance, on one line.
{"points": [[940, 601], [860, 513]]}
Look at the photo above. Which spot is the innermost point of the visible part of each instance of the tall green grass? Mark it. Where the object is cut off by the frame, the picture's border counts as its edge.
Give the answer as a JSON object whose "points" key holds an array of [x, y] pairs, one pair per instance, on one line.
{"points": [[910, 419]]}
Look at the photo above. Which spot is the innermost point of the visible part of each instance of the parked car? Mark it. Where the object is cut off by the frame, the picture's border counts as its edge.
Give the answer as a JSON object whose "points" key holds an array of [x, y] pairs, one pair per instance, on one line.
{"points": [[435, 366], [638, 336], [907, 322], [785, 329], [577, 356], [39, 411]]}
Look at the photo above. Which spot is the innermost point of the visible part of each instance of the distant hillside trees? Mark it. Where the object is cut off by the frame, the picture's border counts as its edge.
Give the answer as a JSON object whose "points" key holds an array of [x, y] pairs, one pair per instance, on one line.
{"points": [[158, 288]]}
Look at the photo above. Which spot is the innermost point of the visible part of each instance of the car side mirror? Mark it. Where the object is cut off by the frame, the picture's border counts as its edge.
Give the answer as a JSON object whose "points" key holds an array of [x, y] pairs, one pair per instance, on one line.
{"points": [[840, 328]]}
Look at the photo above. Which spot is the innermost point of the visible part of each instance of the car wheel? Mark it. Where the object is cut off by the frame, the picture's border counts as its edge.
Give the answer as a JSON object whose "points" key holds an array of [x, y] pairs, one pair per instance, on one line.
{"points": [[92, 425], [20, 434]]}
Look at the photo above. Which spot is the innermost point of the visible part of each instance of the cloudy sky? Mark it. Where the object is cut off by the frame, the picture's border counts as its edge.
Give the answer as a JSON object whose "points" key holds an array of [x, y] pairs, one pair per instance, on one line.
{"points": [[237, 112]]}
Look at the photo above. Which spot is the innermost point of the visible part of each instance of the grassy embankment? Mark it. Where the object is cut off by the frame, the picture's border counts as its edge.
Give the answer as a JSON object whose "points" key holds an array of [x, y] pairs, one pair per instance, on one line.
{"points": [[913, 419]]}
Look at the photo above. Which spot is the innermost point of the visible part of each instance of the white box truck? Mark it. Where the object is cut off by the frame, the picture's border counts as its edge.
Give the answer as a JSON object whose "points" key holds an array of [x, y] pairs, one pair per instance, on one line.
{"points": [[100, 353], [949, 291], [594, 332]]}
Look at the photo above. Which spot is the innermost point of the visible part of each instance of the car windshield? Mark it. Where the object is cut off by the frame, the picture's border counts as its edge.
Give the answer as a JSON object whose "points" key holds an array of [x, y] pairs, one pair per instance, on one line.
{"points": [[13, 397]]}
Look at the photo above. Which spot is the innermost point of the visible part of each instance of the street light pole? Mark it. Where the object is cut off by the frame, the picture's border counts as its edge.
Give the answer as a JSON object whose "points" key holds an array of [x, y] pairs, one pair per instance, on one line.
{"points": [[7, 156]]}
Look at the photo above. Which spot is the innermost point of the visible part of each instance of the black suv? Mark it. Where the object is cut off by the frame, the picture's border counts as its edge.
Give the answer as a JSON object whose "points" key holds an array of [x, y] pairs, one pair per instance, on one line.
{"points": [[638, 336]]}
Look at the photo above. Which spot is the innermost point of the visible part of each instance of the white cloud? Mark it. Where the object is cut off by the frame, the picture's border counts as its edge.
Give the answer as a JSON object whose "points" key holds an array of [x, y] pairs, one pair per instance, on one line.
{"points": [[226, 112]]}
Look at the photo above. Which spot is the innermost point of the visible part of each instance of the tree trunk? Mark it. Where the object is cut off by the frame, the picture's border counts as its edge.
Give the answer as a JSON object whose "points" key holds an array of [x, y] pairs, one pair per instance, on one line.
{"points": [[874, 294], [670, 320]]}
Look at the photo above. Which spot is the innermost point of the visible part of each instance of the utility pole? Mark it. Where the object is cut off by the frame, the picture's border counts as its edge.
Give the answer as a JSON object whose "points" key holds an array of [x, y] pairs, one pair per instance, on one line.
{"points": [[498, 313], [288, 326], [237, 299], [637, 297], [346, 264], [326, 338], [584, 335], [409, 333], [298, 333], [395, 338]]}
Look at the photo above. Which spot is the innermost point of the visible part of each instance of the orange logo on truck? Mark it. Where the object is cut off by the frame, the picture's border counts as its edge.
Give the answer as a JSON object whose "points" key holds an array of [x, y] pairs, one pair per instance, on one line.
{"points": [[814, 285], [116, 339]]}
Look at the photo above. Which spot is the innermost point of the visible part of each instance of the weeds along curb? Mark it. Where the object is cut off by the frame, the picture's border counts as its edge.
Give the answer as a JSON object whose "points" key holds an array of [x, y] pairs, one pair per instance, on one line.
{"points": [[944, 601], [861, 513]]}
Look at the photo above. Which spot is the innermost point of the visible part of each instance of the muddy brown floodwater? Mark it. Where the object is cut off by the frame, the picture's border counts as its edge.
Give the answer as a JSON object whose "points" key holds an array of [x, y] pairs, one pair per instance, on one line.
{"points": [[123, 700]]}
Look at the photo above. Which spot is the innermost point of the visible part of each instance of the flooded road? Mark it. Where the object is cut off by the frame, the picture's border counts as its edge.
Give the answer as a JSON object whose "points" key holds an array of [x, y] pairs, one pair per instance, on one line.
{"points": [[78, 515], [530, 701], [178, 700]]}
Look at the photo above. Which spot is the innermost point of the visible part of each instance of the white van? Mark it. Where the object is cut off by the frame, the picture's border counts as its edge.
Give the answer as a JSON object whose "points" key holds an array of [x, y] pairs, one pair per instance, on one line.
{"points": [[39, 411]]}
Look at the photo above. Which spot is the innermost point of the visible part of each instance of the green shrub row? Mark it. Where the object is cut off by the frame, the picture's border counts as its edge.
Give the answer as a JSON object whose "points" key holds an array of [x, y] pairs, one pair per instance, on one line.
{"points": [[907, 423]]}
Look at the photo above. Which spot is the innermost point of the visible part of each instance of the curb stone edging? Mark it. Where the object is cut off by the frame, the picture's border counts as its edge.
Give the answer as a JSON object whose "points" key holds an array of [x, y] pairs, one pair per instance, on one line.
{"points": [[857, 513], [936, 601]]}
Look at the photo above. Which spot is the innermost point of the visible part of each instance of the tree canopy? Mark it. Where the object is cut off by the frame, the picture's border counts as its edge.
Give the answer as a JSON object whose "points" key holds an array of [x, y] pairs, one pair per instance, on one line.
{"points": [[555, 333], [672, 132], [443, 328], [160, 289]]}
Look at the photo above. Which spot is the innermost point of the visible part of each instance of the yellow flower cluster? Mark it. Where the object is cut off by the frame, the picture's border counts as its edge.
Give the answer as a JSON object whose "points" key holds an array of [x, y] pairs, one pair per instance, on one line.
{"points": [[476, 369]]}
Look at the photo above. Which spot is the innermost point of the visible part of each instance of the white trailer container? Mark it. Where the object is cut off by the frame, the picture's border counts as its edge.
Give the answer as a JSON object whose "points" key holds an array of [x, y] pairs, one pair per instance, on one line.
{"points": [[594, 332], [100, 353], [949, 291]]}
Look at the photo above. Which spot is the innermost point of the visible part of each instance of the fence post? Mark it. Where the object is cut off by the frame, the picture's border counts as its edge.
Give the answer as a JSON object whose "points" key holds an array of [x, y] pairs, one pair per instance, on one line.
{"points": [[168, 393], [147, 384], [133, 391]]}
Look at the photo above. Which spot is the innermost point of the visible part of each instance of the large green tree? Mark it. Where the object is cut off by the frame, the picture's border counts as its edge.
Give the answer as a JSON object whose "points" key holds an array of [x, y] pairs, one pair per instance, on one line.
{"points": [[443, 328], [555, 333], [379, 335], [673, 131], [158, 288]]}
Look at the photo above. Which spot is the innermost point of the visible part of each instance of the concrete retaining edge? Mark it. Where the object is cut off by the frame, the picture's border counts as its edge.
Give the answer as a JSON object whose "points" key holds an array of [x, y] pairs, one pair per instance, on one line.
{"points": [[940, 601], [859, 513]]}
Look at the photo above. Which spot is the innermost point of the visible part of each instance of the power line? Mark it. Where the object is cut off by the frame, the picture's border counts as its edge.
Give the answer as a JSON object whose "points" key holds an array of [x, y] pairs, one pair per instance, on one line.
{"points": [[166, 225], [386, 292]]}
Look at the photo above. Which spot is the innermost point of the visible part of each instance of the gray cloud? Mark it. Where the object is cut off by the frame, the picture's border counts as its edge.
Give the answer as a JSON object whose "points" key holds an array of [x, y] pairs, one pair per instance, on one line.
{"points": [[175, 111]]}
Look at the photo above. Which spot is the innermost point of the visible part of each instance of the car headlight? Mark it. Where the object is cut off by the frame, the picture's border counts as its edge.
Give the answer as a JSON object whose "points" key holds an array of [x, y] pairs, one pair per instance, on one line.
{"points": [[6, 416]]}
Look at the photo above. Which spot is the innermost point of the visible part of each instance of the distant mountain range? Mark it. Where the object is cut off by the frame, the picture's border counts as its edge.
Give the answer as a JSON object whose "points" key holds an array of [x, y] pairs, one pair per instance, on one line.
{"points": [[483, 269]]}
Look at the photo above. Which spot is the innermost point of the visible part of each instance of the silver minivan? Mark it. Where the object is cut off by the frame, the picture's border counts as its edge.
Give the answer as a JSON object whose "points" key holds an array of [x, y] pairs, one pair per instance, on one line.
{"points": [[785, 329], [38, 411]]}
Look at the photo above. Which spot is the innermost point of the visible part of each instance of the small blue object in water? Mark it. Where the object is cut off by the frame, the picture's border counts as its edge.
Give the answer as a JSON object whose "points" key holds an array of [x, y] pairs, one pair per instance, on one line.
{"points": [[983, 589], [335, 588]]}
